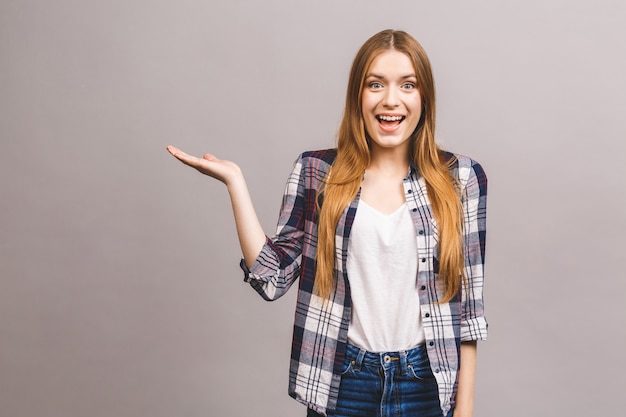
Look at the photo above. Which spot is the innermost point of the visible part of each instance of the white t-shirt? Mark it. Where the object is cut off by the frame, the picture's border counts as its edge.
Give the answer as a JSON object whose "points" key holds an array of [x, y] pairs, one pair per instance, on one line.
{"points": [[382, 270]]}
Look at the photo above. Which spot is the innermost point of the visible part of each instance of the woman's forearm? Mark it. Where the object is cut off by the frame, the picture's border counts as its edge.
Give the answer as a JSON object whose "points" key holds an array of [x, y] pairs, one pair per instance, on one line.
{"points": [[467, 375], [249, 230]]}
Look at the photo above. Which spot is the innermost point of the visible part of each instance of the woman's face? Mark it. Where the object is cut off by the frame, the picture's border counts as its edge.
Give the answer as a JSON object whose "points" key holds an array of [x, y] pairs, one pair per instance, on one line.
{"points": [[391, 101]]}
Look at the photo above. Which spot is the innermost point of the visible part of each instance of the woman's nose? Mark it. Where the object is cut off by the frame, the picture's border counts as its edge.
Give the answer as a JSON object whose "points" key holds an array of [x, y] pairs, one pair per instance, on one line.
{"points": [[391, 98]]}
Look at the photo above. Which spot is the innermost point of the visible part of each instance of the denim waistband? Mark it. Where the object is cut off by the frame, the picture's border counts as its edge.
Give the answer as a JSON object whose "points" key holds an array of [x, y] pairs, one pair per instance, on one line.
{"points": [[363, 357]]}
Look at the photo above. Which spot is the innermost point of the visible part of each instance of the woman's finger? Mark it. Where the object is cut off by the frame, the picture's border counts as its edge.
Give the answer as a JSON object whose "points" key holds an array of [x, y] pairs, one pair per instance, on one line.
{"points": [[184, 157], [210, 157]]}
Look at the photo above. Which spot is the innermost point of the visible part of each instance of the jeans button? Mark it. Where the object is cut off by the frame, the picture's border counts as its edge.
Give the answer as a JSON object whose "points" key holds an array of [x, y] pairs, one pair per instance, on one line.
{"points": [[387, 359]]}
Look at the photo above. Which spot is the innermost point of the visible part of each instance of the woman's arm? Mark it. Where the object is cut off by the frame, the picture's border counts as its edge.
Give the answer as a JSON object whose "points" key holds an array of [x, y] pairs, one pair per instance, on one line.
{"points": [[249, 230], [465, 393], [473, 323]]}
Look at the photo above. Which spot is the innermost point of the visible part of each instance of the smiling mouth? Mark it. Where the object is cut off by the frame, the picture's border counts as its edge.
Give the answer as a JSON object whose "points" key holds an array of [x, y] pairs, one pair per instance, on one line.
{"points": [[389, 123], [382, 118]]}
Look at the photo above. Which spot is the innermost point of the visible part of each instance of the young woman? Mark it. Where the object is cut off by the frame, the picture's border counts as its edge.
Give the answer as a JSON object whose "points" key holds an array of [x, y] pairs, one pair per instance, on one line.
{"points": [[386, 234]]}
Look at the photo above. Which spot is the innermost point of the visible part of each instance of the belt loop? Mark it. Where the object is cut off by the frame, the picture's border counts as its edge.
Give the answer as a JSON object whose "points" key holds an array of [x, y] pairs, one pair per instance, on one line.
{"points": [[403, 363], [359, 360]]}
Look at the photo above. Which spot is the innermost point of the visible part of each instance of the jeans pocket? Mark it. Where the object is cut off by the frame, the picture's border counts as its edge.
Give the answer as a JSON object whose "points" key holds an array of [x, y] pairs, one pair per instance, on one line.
{"points": [[348, 366], [421, 371]]}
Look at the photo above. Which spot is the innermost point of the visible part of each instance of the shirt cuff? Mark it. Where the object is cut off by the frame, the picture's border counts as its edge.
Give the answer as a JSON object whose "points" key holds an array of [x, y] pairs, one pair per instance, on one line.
{"points": [[474, 329], [265, 265]]}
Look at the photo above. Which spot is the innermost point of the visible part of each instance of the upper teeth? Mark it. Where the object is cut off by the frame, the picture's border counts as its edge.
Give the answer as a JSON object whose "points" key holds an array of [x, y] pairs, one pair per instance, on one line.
{"points": [[390, 118]]}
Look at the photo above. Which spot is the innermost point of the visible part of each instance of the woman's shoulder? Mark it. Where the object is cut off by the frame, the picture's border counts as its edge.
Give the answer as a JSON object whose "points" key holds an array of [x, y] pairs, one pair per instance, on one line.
{"points": [[324, 155], [313, 166], [318, 160], [463, 167], [458, 160]]}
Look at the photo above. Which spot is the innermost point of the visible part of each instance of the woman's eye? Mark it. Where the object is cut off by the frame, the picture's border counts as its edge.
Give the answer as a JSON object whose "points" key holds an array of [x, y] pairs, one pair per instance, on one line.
{"points": [[376, 85], [408, 86]]}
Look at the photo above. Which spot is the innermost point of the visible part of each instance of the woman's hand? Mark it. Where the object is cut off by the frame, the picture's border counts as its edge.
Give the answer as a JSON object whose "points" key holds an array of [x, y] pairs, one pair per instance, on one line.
{"points": [[222, 170]]}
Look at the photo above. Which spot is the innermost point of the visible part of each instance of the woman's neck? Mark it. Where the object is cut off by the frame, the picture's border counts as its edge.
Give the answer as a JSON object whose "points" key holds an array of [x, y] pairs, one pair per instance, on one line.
{"points": [[382, 187], [389, 162]]}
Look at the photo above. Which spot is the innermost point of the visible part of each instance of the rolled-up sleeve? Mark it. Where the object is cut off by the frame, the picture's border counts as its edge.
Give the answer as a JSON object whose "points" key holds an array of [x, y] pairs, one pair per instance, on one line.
{"points": [[474, 202], [278, 264]]}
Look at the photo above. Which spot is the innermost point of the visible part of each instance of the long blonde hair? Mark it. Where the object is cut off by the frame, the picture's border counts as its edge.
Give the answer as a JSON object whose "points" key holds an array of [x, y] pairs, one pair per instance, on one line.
{"points": [[353, 157]]}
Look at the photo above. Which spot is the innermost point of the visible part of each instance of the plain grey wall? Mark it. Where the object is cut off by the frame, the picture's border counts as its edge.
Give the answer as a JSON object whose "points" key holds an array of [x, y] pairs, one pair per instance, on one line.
{"points": [[120, 293]]}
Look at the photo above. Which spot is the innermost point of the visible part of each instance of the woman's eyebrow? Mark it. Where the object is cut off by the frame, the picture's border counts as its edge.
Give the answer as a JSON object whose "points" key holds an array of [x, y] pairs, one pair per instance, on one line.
{"points": [[381, 77]]}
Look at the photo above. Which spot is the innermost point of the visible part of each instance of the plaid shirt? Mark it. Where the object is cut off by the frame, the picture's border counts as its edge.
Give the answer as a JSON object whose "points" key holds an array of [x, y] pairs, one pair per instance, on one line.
{"points": [[321, 326]]}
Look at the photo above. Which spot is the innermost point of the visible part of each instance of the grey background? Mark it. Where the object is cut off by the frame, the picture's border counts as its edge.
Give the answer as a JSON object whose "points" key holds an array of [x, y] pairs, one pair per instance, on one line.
{"points": [[120, 293]]}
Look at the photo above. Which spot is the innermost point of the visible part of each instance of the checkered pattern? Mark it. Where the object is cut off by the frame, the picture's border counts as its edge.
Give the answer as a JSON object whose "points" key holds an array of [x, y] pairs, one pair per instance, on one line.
{"points": [[321, 326]]}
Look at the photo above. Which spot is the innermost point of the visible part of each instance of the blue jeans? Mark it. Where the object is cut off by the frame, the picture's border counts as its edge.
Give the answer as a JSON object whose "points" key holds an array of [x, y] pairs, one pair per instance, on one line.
{"points": [[399, 384]]}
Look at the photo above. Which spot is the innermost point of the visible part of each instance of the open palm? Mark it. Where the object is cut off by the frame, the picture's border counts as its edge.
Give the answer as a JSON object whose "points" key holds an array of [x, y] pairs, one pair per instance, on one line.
{"points": [[220, 169]]}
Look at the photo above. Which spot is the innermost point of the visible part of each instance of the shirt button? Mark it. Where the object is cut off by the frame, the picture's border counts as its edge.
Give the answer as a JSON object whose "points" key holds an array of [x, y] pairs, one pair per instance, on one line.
{"points": [[427, 315], [421, 232], [423, 287], [423, 259], [437, 370], [431, 343], [409, 191], [414, 210]]}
